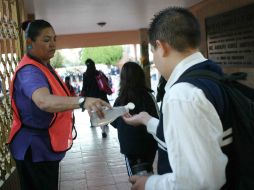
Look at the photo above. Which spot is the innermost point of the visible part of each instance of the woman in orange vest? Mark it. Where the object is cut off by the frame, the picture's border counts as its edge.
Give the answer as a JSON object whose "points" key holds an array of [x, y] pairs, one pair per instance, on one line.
{"points": [[42, 126]]}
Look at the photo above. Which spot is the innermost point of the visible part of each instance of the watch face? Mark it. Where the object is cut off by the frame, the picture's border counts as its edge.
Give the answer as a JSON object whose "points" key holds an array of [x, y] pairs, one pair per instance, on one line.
{"points": [[81, 100]]}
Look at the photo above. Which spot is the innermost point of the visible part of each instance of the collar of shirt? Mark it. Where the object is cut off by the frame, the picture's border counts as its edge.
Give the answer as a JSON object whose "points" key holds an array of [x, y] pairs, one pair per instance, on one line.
{"points": [[182, 66]]}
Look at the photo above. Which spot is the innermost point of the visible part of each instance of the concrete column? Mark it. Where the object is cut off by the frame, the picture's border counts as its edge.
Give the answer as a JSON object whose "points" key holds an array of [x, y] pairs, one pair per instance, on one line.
{"points": [[135, 52], [144, 53]]}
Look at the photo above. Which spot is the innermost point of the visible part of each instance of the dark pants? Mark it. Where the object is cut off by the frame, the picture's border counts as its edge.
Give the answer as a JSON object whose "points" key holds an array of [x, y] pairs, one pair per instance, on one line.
{"points": [[37, 175], [132, 160]]}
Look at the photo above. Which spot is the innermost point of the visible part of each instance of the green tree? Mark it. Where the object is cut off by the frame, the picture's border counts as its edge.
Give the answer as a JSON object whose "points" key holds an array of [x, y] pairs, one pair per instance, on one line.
{"points": [[108, 55], [57, 60]]}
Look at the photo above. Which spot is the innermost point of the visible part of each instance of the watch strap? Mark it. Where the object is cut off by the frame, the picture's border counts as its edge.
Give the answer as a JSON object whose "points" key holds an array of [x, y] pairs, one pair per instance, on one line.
{"points": [[81, 105]]}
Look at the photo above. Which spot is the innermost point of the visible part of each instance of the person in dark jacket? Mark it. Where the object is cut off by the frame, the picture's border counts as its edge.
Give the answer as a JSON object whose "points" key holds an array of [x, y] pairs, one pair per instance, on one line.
{"points": [[69, 86], [136, 143], [160, 89], [90, 87]]}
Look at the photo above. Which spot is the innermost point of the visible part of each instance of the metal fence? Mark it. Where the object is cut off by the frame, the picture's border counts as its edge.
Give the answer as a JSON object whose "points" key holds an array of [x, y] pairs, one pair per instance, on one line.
{"points": [[11, 44]]}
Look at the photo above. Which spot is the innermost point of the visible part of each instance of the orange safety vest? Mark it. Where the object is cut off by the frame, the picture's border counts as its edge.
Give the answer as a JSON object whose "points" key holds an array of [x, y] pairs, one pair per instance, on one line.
{"points": [[60, 129]]}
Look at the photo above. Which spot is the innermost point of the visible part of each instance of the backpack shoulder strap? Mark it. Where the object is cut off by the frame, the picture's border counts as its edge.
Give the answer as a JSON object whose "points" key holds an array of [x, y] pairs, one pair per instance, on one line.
{"points": [[210, 83], [216, 77]]}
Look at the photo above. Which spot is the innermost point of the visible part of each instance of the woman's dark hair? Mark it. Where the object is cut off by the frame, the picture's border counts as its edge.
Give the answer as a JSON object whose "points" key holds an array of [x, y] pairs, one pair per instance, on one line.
{"points": [[33, 28], [91, 69], [132, 82]]}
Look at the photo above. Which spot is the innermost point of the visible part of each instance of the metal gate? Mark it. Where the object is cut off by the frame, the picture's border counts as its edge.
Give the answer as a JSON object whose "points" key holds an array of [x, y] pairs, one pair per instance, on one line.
{"points": [[11, 43]]}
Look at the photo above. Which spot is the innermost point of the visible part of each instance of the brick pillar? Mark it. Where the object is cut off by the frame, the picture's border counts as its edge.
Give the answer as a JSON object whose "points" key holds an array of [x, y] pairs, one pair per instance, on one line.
{"points": [[144, 53]]}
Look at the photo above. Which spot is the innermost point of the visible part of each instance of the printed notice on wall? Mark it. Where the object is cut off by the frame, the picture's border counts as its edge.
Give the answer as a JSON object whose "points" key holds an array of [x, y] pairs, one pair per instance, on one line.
{"points": [[230, 37]]}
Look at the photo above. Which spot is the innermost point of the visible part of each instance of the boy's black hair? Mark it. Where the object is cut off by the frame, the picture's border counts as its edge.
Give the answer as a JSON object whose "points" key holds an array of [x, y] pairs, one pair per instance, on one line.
{"points": [[176, 26]]}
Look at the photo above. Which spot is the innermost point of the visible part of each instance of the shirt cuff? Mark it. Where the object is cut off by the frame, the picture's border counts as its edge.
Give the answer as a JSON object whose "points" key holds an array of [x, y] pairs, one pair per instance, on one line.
{"points": [[151, 182], [152, 125]]}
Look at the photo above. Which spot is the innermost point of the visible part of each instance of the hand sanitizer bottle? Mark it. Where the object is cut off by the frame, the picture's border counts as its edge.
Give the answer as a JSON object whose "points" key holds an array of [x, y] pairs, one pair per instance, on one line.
{"points": [[110, 114]]}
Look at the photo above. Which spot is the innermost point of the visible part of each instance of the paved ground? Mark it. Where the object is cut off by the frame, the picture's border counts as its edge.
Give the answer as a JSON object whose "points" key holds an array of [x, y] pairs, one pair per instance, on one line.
{"points": [[93, 163]]}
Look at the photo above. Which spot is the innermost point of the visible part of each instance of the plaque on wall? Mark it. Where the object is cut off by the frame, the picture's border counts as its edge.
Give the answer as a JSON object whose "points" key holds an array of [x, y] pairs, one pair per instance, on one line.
{"points": [[230, 37]]}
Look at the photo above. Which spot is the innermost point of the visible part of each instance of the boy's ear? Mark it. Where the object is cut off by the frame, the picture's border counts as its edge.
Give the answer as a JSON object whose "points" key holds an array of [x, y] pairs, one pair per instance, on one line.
{"points": [[165, 48]]}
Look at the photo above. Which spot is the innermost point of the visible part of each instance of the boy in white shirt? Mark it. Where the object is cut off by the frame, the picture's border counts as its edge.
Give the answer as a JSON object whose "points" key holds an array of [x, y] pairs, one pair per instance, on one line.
{"points": [[189, 131]]}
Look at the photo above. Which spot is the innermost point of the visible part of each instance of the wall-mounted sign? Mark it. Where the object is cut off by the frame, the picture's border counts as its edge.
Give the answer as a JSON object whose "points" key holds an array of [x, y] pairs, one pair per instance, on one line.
{"points": [[230, 37]]}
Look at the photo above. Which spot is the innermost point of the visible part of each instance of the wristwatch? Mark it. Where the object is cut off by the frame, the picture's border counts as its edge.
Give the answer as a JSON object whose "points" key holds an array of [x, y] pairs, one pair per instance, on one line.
{"points": [[81, 102]]}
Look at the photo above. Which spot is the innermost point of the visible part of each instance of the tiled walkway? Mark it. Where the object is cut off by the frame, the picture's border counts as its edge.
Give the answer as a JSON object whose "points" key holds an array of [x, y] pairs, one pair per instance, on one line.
{"points": [[93, 163]]}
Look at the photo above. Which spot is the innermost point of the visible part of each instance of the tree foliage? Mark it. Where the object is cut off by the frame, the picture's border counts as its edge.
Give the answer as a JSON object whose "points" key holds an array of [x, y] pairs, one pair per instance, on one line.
{"points": [[108, 55], [57, 60]]}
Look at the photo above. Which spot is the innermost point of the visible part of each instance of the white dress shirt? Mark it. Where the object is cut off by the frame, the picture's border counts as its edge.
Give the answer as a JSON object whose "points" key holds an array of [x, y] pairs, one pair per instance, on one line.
{"points": [[193, 134]]}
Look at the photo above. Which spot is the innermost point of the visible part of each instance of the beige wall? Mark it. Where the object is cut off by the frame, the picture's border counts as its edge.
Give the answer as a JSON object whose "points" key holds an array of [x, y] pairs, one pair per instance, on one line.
{"points": [[201, 10], [208, 8], [98, 39]]}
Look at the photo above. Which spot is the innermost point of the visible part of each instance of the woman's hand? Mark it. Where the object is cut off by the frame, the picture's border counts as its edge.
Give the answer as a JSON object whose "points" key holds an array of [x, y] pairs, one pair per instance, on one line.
{"points": [[97, 105], [138, 119]]}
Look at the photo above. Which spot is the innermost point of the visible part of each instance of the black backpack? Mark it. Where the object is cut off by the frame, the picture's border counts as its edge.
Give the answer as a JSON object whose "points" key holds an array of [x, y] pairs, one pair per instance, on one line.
{"points": [[238, 113]]}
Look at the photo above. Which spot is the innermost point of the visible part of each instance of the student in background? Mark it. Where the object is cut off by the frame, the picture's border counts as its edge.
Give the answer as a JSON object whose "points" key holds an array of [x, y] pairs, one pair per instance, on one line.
{"points": [[136, 143], [161, 89], [91, 89], [69, 86]]}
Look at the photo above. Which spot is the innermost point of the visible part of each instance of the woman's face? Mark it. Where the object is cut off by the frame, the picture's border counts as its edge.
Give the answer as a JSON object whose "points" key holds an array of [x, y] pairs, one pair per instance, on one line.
{"points": [[44, 46]]}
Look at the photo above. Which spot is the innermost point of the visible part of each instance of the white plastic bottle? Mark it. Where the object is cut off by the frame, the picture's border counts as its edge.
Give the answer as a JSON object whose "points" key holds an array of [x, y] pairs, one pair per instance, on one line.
{"points": [[110, 114]]}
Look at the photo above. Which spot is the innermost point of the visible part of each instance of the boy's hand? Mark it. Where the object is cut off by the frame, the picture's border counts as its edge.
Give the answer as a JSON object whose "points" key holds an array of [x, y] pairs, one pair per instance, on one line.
{"points": [[138, 182], [138, 119]]}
